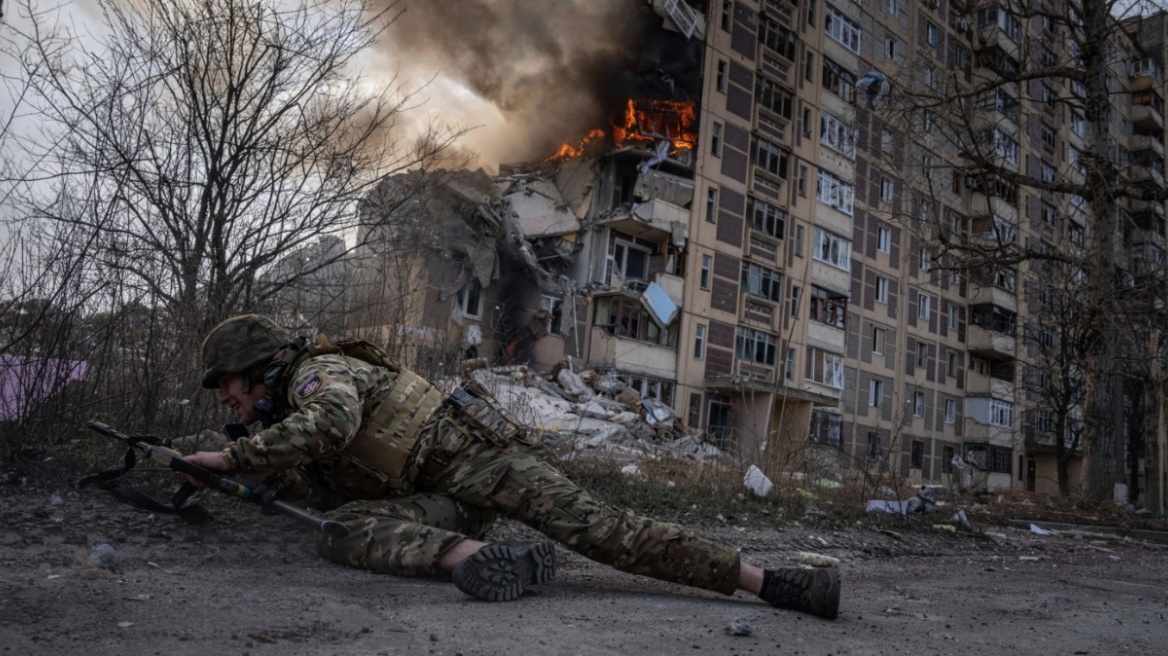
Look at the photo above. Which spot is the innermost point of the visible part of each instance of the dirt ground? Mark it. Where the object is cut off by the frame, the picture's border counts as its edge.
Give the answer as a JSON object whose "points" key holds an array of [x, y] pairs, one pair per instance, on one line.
{"points": [[253, 585]]}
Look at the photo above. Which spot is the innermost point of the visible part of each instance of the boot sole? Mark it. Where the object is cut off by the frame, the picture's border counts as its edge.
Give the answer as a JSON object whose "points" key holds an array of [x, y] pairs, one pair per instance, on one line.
{"points": [[828, 606], [502, 571]]}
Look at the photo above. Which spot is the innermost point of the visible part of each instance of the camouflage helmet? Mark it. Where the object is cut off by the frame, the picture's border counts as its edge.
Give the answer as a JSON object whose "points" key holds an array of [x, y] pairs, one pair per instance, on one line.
{"points": [[238, 344]]}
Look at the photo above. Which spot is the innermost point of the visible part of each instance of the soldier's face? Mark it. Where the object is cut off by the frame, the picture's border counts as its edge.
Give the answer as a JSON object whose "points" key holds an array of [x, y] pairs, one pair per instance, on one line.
{"points": [[231, 394]]}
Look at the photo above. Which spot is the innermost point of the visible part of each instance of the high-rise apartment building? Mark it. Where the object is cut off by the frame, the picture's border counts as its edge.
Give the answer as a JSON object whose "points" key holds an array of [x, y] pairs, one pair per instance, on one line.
{"points": [[854, 294]]}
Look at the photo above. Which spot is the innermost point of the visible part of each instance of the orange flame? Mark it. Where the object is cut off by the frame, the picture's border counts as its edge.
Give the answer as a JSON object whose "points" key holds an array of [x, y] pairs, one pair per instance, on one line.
{"points": [[644, 121]]}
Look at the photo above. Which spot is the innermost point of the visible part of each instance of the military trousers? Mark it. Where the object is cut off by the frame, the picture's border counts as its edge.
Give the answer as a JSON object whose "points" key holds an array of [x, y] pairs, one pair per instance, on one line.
{"points": [[406, 536]]}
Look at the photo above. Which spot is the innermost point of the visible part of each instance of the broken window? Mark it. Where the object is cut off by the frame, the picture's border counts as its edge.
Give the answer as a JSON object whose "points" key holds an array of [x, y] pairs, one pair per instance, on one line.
{"points": [[755, 346], [839, 80], [762, 282], [917, 460], [770, 157], [627, 317], [826, 427], [470, 299], [628, 260], [777, 38], [825, 368], [828, 307], [767, 219], [555, 312], [842, 29], [837, 135], [832, 249], [772, 97], [835, 192], [648, 387]]}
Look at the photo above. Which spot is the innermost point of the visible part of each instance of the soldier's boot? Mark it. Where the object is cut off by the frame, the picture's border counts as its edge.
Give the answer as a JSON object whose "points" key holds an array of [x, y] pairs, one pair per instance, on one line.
{"points": [[815, 591], [501, 571]]}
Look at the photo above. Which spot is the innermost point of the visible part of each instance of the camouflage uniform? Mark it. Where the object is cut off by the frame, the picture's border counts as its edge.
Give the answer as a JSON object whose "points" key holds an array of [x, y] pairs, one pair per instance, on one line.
{"points": [[458, 476]]}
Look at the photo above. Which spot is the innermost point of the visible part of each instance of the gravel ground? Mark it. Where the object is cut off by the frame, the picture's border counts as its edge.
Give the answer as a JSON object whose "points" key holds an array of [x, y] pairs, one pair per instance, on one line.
{"points": [[253, 585]]}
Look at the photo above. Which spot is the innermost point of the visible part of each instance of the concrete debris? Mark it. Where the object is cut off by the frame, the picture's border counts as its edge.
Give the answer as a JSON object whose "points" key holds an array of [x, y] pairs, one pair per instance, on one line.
{"points": [[739, 628], [757, 482], [573, 385], [630, 470], [598, 423]]}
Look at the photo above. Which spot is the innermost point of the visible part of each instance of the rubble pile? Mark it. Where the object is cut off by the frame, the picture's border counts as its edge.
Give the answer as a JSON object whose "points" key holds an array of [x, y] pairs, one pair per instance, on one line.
{"points": [[588, 412]]}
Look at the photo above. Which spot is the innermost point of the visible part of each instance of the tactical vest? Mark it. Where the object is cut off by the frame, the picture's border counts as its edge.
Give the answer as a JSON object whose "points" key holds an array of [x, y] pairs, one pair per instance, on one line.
{"points": [[378, 459]]}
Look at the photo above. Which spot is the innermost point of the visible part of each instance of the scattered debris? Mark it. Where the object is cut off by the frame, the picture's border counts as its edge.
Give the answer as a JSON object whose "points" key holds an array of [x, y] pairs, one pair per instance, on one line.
{"points": [[739, 628], [103, 556], [816, 560], [757, 482], [1035, 528]]}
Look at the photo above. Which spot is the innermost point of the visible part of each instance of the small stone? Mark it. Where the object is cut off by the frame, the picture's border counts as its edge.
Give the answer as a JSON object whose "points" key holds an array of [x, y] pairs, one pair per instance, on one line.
{"points": [[433, 637], [739, 628]]}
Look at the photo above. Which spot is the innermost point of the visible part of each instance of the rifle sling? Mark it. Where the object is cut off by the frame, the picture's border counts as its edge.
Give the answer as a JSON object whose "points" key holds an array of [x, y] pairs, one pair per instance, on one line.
{"points": [[108, 480]]}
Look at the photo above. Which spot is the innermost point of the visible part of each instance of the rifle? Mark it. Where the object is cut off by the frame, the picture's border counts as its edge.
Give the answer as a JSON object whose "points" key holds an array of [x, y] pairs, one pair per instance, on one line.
{"points": [[160, 452]]}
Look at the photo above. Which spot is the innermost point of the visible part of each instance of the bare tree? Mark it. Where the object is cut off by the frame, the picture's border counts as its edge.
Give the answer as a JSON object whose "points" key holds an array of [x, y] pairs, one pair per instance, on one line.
{"points": [[201, 141], [183, 153], [1006, 85]]}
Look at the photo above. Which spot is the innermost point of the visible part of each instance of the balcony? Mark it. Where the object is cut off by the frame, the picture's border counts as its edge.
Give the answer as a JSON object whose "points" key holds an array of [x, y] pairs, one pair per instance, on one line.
{"points": [[1154, 143], [1148, 117], [988, 342], [981, 292], [1144, 212], [987, 385], [1148, 175], [975, 431], [756, 312], [631, 355], [994, 37], [745, 375]]}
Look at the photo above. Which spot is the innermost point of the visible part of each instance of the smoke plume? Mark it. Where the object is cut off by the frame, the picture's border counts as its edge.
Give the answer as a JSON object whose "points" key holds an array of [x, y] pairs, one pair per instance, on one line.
{"points": [[527, 75]]}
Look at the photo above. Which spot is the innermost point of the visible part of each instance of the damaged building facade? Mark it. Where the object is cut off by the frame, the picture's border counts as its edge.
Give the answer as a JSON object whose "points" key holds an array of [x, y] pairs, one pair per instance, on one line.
{"points": [[732, 243]]}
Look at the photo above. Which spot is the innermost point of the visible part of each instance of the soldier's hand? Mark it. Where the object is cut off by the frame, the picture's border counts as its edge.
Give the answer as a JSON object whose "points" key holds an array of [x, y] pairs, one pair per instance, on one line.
{"points": [[212, 460]]}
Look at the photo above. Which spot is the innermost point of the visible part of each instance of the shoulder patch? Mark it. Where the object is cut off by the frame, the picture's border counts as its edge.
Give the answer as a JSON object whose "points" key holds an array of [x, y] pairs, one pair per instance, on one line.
{"points": [[307, 386]]}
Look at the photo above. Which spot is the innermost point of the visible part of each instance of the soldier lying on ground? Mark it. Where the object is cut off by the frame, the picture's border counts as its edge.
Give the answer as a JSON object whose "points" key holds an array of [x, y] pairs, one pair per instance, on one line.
{"points": [[419, 476]]}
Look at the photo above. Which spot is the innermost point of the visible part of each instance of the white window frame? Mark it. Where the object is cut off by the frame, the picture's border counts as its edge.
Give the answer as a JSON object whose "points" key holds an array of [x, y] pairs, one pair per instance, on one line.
{"points": [[886, 141], [952, 317], [621, 268], [832, 371], [890, 48], [832, 191], [884, 239], [886, 190], [832, 249], [841, 28], [918, 404], [471, 297], [882, 290], [924, 306], [549, 303], [837, 135], [1001, 413], [699, 351], [950, 411], [875, 392], [878, 337]]}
